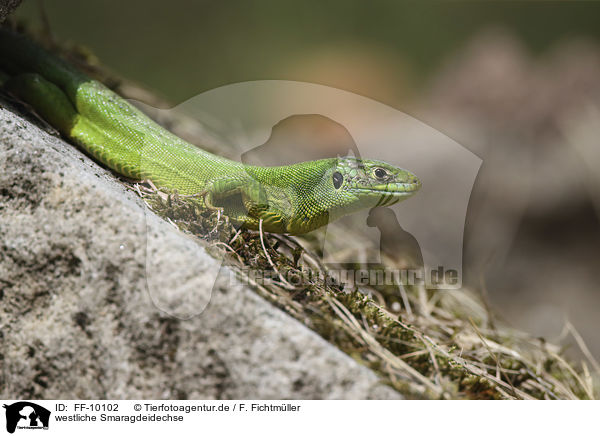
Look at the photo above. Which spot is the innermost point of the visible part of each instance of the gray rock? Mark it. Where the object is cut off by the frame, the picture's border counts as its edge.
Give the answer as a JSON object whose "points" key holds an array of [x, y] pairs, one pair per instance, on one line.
{"points": [[95, 297]]}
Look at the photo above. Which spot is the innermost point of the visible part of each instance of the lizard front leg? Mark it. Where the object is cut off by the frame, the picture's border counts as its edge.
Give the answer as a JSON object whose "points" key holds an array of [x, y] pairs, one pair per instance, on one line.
{"points": [[241, 199]]}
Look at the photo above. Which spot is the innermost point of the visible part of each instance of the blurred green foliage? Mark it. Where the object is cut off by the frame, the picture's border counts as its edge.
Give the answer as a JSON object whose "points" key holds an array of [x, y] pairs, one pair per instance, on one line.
{"points": [[183, 47]]}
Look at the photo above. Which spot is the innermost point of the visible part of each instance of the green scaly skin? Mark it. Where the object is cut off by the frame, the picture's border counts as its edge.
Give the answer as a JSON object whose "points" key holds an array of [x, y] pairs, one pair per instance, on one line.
{"points": [[292, 199]]}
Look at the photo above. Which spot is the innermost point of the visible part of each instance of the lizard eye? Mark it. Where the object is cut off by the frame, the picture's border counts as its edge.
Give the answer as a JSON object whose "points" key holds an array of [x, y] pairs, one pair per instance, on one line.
{"points": [[337, 180], [380, 173]]}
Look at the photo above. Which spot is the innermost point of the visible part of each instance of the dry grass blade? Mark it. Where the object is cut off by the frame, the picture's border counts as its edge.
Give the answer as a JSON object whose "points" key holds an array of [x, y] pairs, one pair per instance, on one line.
{"points": [[589, 390], [498, 366], [393, 361], [284, 282], [583, 347]]}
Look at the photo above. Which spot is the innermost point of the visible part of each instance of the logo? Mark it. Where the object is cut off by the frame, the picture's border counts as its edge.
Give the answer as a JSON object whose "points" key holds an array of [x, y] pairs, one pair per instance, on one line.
{"points": [[26, 415]]}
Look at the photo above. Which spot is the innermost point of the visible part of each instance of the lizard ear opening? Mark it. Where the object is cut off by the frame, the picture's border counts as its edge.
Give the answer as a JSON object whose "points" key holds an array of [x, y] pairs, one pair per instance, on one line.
{"points": [[338, 179]]}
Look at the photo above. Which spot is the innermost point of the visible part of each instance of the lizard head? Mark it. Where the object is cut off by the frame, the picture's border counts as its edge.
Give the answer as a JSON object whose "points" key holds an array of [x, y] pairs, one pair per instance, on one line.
{"points": [[332, 188], [362, 183], [302, 197]]}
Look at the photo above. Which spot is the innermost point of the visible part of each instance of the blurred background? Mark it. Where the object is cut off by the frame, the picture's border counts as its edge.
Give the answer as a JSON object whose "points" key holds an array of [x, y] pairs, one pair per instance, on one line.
{"points": [[517, 83]]}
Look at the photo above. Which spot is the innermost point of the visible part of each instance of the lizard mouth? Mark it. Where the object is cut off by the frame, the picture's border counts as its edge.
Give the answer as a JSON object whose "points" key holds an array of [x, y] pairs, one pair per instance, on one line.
{"points": [[393, 189], [389, 194]]}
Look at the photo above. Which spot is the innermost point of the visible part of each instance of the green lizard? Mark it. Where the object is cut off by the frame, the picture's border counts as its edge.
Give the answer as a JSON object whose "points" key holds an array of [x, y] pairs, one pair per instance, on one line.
{"points": [[292, 199]]}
